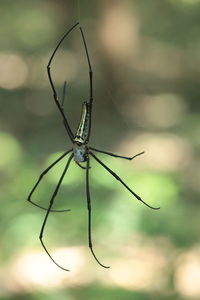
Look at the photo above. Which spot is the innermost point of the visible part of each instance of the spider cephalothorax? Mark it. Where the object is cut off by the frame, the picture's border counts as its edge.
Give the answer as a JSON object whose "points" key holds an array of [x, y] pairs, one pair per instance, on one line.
{"points": [[80, 152]]}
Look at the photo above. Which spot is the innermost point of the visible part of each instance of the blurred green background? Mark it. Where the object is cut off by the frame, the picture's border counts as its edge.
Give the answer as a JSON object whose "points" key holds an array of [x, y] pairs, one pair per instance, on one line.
{"points": [[145, 57]]}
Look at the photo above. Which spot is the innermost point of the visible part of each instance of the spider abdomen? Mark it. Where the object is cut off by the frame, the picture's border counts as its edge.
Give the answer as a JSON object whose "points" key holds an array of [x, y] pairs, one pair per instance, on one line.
{"points": [[83, 130]]}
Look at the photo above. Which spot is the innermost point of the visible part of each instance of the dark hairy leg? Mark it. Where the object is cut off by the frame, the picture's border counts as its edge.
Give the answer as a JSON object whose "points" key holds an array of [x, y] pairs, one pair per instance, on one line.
{"points": [[89, 65], [89, 213], [49, 209], [40, 178], [116, 155], [55, 96], [62, 105], [119, 179]]}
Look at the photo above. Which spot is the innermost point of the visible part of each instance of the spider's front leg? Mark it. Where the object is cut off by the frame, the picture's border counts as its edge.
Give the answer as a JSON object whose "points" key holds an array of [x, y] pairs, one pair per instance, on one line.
{"points": [[122, 182], [40, 178], [89, 213]]}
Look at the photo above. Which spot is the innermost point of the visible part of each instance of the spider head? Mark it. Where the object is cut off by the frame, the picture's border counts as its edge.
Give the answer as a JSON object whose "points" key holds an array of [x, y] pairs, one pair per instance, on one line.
{"points": [[80, 152]]}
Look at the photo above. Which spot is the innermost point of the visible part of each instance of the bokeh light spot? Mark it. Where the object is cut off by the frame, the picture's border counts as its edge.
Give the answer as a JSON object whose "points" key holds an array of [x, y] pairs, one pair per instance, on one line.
{"points": [[187, 274], [34, 27], [10, 150], [13, 71], [151, 186], [158, 111]]}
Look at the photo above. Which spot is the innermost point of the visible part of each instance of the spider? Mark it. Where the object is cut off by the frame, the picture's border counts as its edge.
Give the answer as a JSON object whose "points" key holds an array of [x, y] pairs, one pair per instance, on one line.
{"points": [[80, 152]]}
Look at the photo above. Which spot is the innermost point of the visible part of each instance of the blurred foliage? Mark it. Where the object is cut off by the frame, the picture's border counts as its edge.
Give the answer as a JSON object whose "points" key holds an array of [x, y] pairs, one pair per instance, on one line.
{"points": [[146, 84]]}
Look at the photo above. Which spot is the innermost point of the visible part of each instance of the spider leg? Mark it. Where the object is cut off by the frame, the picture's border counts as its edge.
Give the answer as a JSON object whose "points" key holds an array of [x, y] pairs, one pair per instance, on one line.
{"points": [[40, 178], [82, 167], [89, 65], [62, 104], [115, 155], [63, 95], [55, 96], [89, 103], [124, 184], [89, 213], [49, 209]]}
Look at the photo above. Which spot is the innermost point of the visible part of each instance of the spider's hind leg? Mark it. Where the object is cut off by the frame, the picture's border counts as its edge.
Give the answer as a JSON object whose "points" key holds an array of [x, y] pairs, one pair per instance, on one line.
{"points": [[55, 96]]}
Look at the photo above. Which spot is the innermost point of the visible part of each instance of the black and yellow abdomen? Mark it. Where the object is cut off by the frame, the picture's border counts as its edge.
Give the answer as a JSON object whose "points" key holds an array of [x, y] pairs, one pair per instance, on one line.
{"points": [[83, 130]]}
